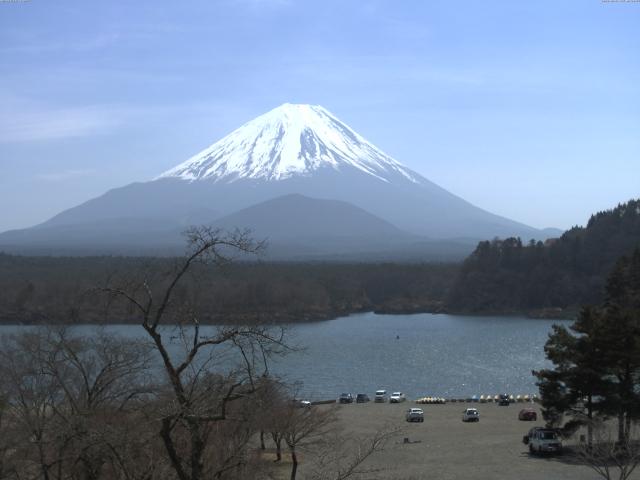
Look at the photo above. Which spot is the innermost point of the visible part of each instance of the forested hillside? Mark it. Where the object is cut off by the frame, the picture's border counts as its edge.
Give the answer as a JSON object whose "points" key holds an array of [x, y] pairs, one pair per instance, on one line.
{"points": [[59, 289], [507, 276]]}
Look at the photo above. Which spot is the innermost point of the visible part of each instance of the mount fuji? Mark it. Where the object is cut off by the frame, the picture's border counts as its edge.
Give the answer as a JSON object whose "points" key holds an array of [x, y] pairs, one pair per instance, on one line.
{"points": [[300, 155], [290, 141]]}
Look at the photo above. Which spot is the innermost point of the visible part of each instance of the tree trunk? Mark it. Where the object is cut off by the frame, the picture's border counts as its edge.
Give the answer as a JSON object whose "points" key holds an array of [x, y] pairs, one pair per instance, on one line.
{"points": [[294, 463], [627, 428], [176, 463], [44, 468], [590, 424], [262, 445], [277, 439], [197, 450], [621, 428]]}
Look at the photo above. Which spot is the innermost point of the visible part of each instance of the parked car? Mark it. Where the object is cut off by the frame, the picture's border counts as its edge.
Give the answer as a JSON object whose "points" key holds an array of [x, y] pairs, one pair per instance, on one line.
{"points": [[362, 398], [530, 433], [345, 398], [415, 415], [544, 440], [381, 396], [304, 404], [471, 415], [528, 414], [503, 400], [397, 397]]}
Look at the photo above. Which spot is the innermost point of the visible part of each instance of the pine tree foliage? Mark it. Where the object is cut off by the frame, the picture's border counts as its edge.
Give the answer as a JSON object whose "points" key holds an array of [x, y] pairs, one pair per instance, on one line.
{"points": [[507, 275], [596, 362]]}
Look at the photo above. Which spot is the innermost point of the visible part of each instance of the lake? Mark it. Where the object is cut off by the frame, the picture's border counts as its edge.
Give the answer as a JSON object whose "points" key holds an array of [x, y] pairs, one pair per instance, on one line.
{"points": [[421, 354]]}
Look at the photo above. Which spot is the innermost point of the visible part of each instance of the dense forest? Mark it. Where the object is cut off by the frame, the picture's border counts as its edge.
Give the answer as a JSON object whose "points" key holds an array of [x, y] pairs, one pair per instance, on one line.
{"points": [[63, 289], [506, 276]]}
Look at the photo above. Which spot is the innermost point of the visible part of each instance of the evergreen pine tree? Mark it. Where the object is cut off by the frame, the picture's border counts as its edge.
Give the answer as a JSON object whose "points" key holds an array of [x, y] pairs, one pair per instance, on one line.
{"points": [[596, 368]]}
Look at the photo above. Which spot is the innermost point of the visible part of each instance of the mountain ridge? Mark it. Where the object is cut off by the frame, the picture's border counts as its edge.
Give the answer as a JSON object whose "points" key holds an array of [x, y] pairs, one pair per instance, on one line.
{"points": [[292, 149]]}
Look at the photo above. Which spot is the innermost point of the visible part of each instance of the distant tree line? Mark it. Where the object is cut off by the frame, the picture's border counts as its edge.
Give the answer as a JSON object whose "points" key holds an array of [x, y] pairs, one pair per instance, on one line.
{"points": [[59, 289], [509, 276]]}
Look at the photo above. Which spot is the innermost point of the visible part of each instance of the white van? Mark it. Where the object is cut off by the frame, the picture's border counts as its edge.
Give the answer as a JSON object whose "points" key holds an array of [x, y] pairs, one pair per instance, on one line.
{"points": [[543, 440], [381, 396]]}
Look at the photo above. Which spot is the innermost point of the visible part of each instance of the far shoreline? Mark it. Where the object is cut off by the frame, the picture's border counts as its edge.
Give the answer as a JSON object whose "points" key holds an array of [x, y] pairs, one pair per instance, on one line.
{"points": [[289, 319]]}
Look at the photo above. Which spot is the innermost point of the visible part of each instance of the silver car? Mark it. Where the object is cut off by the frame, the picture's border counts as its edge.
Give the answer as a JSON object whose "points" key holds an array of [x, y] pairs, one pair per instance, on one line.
{"points": [[415, 415], [381, 396], [471, 415]]}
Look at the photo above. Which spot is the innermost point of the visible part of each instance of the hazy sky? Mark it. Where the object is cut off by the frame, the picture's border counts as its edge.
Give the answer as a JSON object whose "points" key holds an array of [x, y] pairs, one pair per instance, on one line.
{"points": [[529, 109]]}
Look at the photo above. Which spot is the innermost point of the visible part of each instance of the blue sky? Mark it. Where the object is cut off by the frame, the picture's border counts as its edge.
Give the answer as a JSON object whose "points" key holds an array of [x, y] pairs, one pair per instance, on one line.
{"points": [[528, 109]]}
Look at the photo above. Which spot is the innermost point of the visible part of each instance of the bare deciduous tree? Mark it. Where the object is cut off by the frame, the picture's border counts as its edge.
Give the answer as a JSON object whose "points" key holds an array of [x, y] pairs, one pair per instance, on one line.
{"points": [[342, 457], [65, 396], [609, 458], [302, 427], [198, 398]]}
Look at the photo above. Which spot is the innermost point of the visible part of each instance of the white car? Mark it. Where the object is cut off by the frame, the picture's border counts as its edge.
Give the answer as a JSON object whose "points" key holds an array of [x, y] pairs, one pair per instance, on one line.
{"points": [[415, 415], [543, 440], [397, 397], [381, 396], [471, 415]]}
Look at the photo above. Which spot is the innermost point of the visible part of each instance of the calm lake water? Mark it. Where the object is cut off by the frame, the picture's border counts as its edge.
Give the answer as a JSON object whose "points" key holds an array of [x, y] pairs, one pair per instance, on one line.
{"points": [[421, 355]]}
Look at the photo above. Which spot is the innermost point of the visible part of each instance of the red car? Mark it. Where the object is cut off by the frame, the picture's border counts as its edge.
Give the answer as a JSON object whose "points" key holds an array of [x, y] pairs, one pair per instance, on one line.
{"points": [[527, 414]]}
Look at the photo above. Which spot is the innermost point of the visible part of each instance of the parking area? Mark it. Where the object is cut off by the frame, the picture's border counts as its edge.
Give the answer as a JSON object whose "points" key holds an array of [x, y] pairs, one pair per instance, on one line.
{"points": [[445, 447]]}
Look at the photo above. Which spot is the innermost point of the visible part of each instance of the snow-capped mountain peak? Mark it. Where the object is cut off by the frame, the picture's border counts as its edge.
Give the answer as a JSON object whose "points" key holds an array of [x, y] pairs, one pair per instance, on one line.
{"points": [[290, 140]]}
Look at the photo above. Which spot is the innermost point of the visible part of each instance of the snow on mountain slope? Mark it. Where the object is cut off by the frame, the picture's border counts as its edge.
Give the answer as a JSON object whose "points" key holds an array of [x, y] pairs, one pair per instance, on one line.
{"points": [[290, 140]]}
